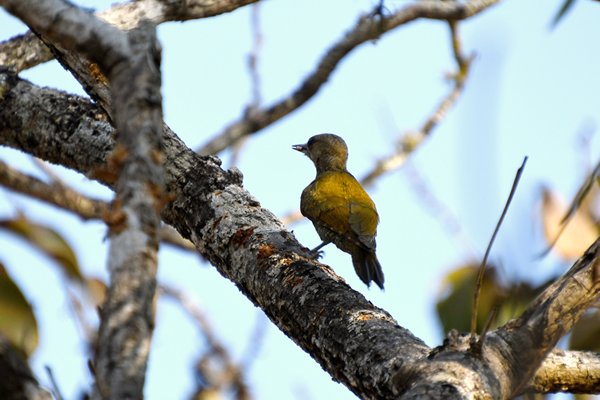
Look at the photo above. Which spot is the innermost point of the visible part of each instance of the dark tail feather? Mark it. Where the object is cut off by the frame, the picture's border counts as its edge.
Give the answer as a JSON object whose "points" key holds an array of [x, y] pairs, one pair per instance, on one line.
{"points": [[367, 268]]}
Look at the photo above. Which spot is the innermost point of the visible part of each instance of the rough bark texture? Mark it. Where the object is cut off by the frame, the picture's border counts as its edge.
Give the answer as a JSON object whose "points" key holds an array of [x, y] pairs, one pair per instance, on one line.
{"points": [[568, 371], [357, 343]]}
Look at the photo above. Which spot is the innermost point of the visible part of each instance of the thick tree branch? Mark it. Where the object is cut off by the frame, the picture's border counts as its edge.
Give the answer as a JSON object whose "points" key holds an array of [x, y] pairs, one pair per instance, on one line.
{"points": [[368, 27], [525, 342], [357, 343], [26, 50], [568, 371]]}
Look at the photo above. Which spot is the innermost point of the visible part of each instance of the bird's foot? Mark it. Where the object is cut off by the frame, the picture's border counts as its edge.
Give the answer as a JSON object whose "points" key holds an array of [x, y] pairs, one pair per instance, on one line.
{"points": [[316, 254]]}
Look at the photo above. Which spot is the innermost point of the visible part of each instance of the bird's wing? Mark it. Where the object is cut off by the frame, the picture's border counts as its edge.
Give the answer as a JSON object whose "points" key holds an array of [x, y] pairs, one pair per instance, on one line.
{"points": [[363, 221]]}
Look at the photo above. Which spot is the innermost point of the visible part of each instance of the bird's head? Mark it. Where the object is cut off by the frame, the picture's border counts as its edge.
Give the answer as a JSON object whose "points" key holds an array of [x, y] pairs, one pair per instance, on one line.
{"points": [[327, 151]]}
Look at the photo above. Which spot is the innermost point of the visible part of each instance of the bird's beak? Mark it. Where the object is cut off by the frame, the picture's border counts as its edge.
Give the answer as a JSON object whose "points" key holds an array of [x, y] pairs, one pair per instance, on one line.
{"points": [[303, 148]]}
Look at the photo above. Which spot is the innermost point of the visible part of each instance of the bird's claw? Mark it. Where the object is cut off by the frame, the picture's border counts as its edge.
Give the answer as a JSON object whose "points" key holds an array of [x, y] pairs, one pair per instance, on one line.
{"points": [[316, 254]]}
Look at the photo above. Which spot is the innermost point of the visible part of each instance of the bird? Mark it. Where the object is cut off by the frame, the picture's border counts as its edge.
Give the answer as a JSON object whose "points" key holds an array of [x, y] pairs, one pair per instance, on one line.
{"points": [[339, 208]]}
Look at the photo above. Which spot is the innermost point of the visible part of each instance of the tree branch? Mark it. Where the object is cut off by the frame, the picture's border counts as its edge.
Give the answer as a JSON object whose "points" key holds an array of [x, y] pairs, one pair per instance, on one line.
{"points": [[26, 51], [568, 371], [524, 342], [367, 28], [56, 194]]}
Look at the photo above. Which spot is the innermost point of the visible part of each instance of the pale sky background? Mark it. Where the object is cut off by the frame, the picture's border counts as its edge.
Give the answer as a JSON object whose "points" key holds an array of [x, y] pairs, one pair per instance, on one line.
{"points": [[532, 91]]}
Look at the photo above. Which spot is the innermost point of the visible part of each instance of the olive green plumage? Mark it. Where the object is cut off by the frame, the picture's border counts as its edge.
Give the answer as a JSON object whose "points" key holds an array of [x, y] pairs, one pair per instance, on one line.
{"points": [[339, 208]]}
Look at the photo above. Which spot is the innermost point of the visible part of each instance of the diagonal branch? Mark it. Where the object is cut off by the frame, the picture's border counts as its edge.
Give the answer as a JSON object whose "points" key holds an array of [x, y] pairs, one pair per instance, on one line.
{"points": [[359, 344], [367, 28], [355, 341], [525, 342]]}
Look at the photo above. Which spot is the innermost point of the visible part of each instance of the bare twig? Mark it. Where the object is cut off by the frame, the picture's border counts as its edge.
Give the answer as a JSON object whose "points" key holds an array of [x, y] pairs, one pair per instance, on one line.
{"points": [[50, 173], [367, 28], [483, 264], [253, 57], [55, 389]]}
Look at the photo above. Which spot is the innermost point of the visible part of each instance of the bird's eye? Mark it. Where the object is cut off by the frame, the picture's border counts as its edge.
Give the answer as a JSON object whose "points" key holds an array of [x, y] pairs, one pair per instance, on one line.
{"points": [[311, 141]]}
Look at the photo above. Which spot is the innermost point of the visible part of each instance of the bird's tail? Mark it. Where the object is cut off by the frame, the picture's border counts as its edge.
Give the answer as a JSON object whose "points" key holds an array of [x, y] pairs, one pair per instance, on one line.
{"points": [[367, 267]]}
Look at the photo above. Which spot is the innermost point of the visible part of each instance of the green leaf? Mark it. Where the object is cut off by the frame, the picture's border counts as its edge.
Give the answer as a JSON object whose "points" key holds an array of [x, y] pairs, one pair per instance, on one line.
{"points": [[456, 300], [46, 240], [17, 321]]}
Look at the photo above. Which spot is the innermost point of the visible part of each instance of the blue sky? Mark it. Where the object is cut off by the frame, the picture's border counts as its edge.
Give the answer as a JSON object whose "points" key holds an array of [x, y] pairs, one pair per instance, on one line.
{"points": [[531, 92]]}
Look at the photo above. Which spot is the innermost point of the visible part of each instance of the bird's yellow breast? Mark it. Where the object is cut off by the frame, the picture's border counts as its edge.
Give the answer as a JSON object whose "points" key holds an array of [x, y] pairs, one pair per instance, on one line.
{"points": [[337, 200]]}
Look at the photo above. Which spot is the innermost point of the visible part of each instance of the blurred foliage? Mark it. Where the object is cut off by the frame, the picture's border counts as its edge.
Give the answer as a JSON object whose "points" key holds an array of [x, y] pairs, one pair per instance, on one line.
{"points": [[455, 301], [569, 233], [48, 241], [17, 321], [568, 230], [586, 334]]}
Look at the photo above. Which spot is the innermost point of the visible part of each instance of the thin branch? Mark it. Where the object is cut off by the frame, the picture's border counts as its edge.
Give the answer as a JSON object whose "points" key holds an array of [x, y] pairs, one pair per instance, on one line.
{"points": [[483, 264], [64, 197], [58, 195], [55, 389], [367, 28]]}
